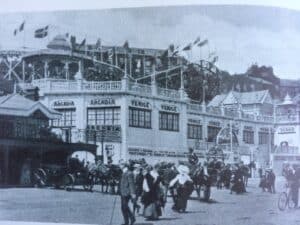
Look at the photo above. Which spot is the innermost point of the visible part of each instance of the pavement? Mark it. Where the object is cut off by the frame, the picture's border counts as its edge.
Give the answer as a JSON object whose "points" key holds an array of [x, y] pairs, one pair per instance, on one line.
{"points": [[50, 206]]}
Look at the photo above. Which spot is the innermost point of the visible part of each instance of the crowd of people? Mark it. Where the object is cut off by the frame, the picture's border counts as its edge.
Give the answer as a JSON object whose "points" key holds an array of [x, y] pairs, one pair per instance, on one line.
{"points": [[146, 188]]}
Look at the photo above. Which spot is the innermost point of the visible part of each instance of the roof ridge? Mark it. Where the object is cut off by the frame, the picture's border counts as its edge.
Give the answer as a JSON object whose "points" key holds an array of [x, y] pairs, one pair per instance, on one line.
{"points": [[8, 97]]}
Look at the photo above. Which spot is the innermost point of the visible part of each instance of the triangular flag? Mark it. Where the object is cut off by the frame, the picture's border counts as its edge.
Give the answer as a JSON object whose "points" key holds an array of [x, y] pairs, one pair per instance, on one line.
{"points": [[126, 45], [188, 47], [202, 43], [196, 41], [21, 28]]}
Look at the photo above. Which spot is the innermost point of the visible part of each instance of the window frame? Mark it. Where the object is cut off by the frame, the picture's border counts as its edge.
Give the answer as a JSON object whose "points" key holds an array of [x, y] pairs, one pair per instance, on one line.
{"points": [[140, 118], [169, 121]]}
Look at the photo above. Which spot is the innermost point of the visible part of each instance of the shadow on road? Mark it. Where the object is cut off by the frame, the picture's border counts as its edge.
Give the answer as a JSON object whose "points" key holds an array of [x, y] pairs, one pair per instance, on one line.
{"points": [[210, 201]]}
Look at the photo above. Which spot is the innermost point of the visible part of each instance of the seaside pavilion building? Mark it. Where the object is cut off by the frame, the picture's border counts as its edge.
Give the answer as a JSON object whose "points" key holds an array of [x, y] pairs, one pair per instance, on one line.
{"points": [[110, 97]]}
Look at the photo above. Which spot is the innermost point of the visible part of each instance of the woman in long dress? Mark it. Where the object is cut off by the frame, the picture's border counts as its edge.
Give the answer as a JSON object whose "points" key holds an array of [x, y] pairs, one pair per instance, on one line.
{"points": [[152, 196], [182, 187]]}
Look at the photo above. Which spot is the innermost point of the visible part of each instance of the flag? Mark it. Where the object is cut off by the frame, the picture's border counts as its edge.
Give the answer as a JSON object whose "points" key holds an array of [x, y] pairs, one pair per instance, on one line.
{"points": [[176, 51], [196, 41], [82, 43], [73, 42], [164, 54], [21, 28], [41, 33], [188, 47], [110, 55], [98, 44], [126, 45], [215, 59], [202, 43]]}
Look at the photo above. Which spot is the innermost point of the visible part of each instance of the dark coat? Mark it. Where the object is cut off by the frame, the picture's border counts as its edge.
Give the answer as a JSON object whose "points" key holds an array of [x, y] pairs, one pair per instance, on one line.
{"points": [[153, 196], [127, 184]]}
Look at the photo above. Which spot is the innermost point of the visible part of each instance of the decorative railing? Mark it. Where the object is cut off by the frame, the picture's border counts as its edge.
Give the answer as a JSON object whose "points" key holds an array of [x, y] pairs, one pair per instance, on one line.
{"points": [[194, 107], [287, 118], [248, 116], [103, 86], [214, 110], [78, 85], [139, 88], [168, 93], [231, 112], [287, 150], [265, 118]]}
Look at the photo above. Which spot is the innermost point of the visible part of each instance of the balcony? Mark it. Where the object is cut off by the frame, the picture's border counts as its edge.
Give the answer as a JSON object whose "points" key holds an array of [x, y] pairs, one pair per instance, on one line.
{"points": [[292, 118], [47, 86], [287, 150]]}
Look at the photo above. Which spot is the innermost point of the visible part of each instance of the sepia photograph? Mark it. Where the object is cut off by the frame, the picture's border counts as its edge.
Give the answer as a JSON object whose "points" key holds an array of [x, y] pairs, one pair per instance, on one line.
{"points": [[148, 113]]}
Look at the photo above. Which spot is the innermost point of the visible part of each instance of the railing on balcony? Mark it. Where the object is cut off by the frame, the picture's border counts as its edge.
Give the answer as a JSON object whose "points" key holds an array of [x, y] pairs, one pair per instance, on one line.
{"points": [[104, 86], [73, 86], [287, 150], [248, 116], [139, 88], [287, 118], [169, 93], [265, 118], [214, 110], [231, 112], [194, 107]]}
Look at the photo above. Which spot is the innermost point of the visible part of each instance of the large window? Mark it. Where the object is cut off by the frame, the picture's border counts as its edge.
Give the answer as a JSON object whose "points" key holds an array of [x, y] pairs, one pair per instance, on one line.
{"points": [[212, 133], [248, 136], [68, 118], [139, 118], [169, 121], [104, 116], [263, 138], [194, 131]]}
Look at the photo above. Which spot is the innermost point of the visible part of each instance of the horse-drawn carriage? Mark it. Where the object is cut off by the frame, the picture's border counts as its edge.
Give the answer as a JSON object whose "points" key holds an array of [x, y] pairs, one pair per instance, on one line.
{"points": [[64, 176], [108, 176]]}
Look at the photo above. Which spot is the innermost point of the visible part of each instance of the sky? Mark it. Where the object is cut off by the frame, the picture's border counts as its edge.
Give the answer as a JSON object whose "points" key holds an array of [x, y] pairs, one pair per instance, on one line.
{"points": [[240, 35]]}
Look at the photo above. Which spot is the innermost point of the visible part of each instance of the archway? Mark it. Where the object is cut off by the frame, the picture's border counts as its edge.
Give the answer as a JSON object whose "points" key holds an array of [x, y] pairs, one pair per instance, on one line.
{"points": [[226, 136]]}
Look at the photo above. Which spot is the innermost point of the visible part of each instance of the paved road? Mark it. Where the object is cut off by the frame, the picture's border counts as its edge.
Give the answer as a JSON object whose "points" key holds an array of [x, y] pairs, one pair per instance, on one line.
{"points": [[59, 206]]}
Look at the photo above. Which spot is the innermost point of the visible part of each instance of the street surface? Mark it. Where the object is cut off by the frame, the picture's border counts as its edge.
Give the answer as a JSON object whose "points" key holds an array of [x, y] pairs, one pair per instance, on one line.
{"points": [[60, 206]]}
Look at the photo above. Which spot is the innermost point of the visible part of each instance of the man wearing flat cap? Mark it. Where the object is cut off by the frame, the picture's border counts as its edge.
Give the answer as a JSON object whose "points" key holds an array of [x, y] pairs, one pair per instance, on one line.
{"points": [[127, 192]]}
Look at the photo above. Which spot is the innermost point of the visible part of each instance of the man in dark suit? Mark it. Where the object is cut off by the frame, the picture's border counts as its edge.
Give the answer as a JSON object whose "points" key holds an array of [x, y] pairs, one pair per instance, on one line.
{"points": [[127, 192]]}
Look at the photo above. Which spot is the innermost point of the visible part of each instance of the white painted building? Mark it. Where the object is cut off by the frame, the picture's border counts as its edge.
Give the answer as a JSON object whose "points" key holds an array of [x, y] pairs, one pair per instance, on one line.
{"points": [[128, 119]]}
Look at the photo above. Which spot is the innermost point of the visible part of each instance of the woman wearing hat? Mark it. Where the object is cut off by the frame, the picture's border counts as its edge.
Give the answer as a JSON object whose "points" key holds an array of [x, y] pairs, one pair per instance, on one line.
{"points": [[182, 187]]}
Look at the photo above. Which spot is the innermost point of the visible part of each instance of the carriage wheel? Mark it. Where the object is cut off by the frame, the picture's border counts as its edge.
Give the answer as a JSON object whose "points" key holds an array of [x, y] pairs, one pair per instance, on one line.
{"points": [[68, 181], [40, 178], [282, 201]]}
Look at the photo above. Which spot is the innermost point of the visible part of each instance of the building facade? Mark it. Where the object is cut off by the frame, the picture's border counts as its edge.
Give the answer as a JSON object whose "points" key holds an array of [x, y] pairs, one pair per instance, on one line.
{"points": [[111, 97]]}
